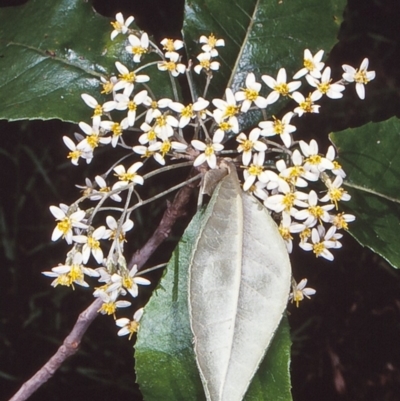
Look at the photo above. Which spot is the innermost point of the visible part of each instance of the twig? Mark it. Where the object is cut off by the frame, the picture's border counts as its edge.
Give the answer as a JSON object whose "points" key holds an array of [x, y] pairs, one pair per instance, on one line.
{"points": [[71, 343]]}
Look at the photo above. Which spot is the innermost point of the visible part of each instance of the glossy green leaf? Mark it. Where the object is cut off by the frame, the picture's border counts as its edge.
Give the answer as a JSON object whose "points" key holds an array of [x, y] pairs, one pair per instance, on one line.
{"points": [[261, 36], [165, 362], [50, 53], [370, 157]]}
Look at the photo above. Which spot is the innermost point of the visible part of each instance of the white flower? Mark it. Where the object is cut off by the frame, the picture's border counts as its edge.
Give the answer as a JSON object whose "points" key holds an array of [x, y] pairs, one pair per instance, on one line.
{"points": [[225, 124], [299, 292], [125, 177], [341, 219], [287, 227], [208, 150], [160, 149], [129, 326], [255, 171], [188, 112], [115, 232], [154, 105], [279, 86], [325, 87], [108, 85], [66, 221], [149, 135], [335, 192], [128, 281], [120, 26], [99, 109], [279, 127], [314, 162], [138, 47], [103, 189], [171, 46], [321, 242], [250, 94], [172, 66], [128, 78], [211, 43], [76, 152], [337, 168], [360, 76], [305, 104], [314, 213], [247, 146], [93, 138], [124, 102], [116, 128], [312, 65], [164, 124], [206, 63], [110, 303], [228, 107], [91, 244]]}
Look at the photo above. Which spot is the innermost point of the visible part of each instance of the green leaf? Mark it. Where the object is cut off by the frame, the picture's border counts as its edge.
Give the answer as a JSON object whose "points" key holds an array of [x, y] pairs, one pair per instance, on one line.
{"points": [[165, 361], [51, 52], [261, 36], [370, 157]]}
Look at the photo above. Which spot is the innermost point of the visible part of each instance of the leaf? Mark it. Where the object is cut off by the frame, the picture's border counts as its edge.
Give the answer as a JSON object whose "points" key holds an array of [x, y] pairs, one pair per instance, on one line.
{"points": [[370, 157], [50, 53], [261, 36], [165, 361]]}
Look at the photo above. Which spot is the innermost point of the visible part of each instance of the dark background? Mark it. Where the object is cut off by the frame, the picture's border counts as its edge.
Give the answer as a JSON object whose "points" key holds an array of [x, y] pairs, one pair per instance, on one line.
{"points": [[345, 340]]}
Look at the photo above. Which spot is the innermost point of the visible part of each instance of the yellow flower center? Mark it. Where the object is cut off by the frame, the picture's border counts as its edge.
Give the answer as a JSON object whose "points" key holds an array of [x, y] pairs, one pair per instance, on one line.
{"points": [[298, 296], [63, 279], [165, 148], [107, 87], [151, 135], [251, 94], [116, 129], [93, 141], [288, 201], [361, 77], [306, 233], [116, 25], [324, 87], [98, 110], [255, 170], [64, 225], [205, 64], [309, 64], [138, 50], [132, 106], [279, 127], [108, 308], [161, 121], [231, 111], [127, 281], [339, 222], [296, 171], [336, 194], [225, 126], [212, 41], [169, 65], [336, 165], [76, 273], [93, 243], [126, 176], [169, 45], [318, 248], [282, 89], [187, 111], [209, 150], [314, 159], [247, 145], [75, 154], [306, 105], [285, 233], [129, 77], [316, 211]]}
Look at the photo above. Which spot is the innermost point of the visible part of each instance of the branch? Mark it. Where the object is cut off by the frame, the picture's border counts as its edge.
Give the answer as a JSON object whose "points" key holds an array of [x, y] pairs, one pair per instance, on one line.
{"points": [[71, 343]]}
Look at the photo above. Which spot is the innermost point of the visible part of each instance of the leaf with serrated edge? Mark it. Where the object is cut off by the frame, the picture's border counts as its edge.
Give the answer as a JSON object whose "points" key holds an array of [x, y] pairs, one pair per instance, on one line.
{"points": [[238, 289]]}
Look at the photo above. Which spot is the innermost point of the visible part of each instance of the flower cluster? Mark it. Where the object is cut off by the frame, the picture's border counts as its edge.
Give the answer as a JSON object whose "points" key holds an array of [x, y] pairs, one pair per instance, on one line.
{"points": [[295, 181]]}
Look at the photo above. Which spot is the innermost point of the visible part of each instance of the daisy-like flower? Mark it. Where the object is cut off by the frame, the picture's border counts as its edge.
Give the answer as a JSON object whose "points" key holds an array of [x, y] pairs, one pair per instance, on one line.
{"points": [[129, 326], [337, 168], [312, 65], [103, 189], [295, 174], [108, 84], [287, 228], [115, 232], [286, 200], [116, 129], [124, 102], [149, 135], [206, 63], [299, 291], [335, 192], [250, 94], [225, 124], [164, 125], [160, 149], [314, 213], [120, 25], [255, 171], [128, 281], [324, 86], [228, 107], [154, 106], [125, 177], [247, 146], [138, 47], [305, 104], [172, 66], [360, 76], [171, 46], [188, 112], [99, 109], [66, 222], [128, 78], [71, 273], [210, 44], [93, 138], [259, 190], [279, 86], [110, 303], [76, 153], [321, 242], [340, 220], [314, 162], [283, 128], [91, 244], [208, 151]]}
